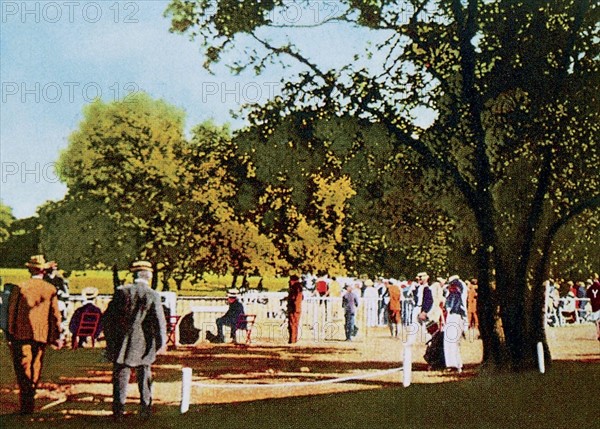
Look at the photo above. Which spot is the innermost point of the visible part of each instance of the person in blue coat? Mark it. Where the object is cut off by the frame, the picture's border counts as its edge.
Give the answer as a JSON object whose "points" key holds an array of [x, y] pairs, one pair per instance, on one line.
{"points": [[136, 331], [231, 317]]}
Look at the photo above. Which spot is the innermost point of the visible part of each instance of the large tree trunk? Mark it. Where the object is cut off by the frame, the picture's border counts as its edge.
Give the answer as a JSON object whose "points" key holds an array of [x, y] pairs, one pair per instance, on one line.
{"points": [[538, 308], [522, 302], [493, 347], [517, 323]]}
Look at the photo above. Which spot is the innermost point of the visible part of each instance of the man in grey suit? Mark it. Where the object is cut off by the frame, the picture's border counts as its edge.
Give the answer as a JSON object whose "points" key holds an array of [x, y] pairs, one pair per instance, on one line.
{"points": [[135, 331]]}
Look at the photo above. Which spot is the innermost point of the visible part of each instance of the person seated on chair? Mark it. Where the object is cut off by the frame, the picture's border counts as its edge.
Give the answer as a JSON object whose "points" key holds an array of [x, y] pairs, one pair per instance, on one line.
{"points": [[230, 318], [88, 294], [569, 308]]}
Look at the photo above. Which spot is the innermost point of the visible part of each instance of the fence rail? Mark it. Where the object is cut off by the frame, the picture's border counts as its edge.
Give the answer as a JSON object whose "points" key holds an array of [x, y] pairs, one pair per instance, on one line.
{"points": [[322, 317]]}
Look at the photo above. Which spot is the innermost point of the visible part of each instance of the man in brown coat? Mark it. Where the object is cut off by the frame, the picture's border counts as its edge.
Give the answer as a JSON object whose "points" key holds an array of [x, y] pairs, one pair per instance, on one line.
{"points": [[294, 307], [394, 307], [34, 321]]}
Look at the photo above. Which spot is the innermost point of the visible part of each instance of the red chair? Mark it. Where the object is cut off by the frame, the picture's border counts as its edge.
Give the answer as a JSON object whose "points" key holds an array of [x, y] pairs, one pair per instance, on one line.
{"points": [[172, 323], [245, 322], [88, 326]]}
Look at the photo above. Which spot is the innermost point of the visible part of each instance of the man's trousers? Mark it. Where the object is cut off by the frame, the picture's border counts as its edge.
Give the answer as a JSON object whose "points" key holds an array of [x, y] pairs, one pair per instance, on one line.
{"points": [[293, 326], [27, 358], [121, 375]]}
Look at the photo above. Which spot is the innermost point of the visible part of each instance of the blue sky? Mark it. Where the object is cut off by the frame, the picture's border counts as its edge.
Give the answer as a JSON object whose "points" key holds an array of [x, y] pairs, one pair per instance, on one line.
{"points": [[57, 56]]}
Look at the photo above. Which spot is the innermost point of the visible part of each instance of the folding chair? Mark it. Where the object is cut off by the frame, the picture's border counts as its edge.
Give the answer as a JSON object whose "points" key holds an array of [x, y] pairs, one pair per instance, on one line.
{"points": [[88, 325], [172, 330], [246, 322]]}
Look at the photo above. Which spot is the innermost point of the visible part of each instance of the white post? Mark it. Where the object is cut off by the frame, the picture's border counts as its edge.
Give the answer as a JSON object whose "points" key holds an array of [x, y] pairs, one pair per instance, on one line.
{"points": [[540, 355], [407, 365], [186, 389]]}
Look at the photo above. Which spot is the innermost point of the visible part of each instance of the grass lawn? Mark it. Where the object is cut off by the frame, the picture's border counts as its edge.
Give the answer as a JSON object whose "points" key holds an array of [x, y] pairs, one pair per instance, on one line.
{"points": [[564, 397], [211, 285]]}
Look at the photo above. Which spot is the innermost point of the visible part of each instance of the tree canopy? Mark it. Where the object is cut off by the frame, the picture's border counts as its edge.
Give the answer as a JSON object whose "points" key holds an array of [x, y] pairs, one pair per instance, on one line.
{"points": [[514, 144]]}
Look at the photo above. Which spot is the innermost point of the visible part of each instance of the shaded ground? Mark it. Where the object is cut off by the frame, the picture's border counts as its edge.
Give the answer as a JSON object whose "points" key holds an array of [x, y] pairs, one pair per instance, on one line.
{"points": [[79, 381]]}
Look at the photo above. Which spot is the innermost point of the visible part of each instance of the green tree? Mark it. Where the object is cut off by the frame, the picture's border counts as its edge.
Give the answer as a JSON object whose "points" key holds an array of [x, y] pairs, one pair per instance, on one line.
{"points": [[227, 239], [80, 233], [22, 243], [132, 161], [514, 86], [6, 220], [124, 155], [391, 226]]}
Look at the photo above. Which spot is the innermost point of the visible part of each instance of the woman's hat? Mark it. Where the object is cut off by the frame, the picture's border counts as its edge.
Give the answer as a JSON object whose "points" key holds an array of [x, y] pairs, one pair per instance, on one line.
{"points": [[233, 293]]}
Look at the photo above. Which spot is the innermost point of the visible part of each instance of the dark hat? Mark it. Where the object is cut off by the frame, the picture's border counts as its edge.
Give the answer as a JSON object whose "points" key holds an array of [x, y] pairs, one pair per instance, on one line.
{"points": [[294, 278], [141, 266]]}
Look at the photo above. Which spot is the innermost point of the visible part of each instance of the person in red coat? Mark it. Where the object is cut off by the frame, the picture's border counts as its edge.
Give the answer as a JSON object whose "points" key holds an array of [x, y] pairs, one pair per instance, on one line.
{"points": [[593, 293], [294, 308]]}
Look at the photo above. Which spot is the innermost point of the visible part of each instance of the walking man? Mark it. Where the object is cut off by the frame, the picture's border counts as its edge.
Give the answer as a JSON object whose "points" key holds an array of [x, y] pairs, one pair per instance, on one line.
{"points": [[394, 307], [472, 317], [593, 293], [423, 302], [34, 321], [135, 331], [349, 304], [294, 308]]}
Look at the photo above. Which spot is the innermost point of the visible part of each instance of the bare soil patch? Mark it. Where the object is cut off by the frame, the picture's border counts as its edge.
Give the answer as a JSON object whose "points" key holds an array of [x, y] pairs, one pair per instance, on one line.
{"points": [[231, 373]]}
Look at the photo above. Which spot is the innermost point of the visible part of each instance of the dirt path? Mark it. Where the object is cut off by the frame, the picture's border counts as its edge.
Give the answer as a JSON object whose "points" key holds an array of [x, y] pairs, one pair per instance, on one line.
{"points": [[289, 369]]}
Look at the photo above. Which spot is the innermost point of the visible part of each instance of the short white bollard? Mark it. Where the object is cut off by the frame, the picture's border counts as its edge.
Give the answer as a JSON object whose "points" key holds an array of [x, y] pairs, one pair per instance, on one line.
{"points": [[540, 355], [407, 365], [186, 389]]}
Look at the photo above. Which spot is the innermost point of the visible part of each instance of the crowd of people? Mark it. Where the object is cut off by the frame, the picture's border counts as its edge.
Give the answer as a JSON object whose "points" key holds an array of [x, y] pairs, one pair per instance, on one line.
{"points": [[135, 322], [571, 302], [447, 306]]}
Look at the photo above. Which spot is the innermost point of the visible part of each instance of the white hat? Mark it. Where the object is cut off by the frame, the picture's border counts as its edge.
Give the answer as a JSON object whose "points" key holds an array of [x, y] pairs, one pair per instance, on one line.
{"points": [[141, 266], [89, 293], [452, 278], [232, 293]]}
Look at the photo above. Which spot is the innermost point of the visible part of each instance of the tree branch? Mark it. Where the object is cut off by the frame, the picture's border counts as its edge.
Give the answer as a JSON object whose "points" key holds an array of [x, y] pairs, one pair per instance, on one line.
{"points": [[535, 212], [440, 163]]}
